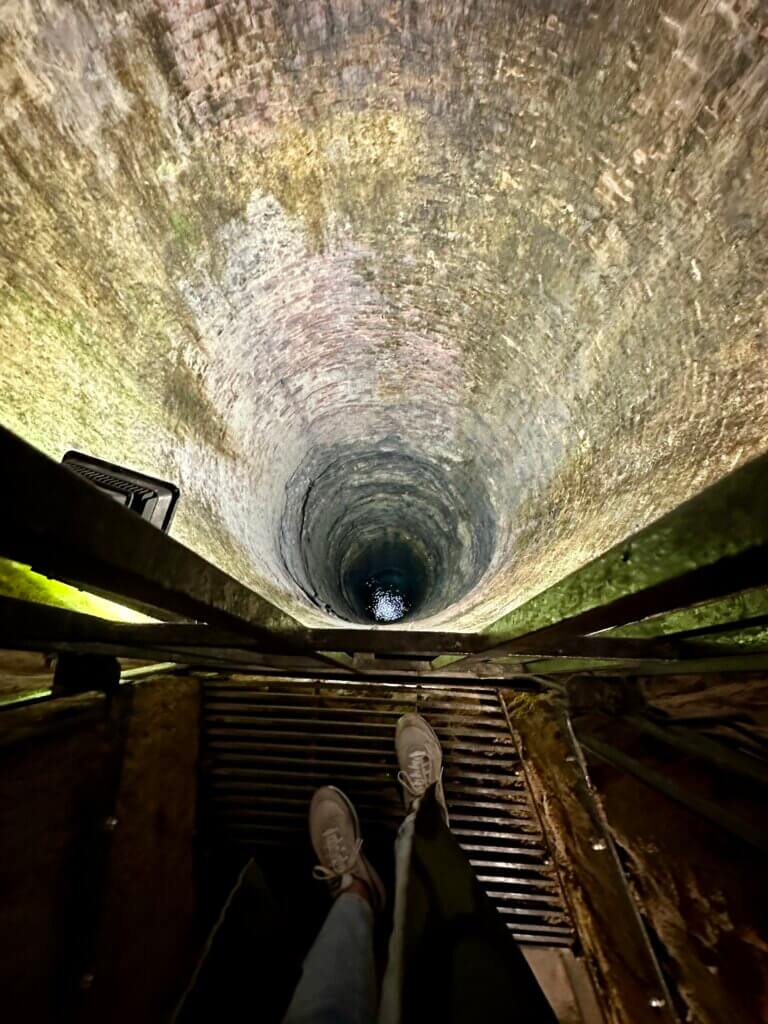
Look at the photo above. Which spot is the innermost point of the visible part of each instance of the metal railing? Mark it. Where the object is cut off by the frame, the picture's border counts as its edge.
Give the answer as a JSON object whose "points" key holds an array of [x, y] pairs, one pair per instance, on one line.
{"points": [[713, 546]]}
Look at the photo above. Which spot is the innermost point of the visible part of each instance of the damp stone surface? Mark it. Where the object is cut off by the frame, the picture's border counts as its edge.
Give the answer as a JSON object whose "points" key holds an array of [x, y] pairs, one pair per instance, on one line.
{"points": [[442, 298]]}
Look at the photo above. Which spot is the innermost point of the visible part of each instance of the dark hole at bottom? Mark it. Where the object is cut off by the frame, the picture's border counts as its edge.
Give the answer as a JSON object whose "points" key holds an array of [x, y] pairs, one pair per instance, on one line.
{"points": [[386, 582]]}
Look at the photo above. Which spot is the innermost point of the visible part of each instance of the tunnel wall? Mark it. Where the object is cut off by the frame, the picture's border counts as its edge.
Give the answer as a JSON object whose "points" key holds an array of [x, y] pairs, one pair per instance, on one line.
{"points": [[521, 246], [98, 916]]}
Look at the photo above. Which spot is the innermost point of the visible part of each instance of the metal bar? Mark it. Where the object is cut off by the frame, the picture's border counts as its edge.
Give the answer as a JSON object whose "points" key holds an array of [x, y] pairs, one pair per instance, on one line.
{"points": [[323, 745], [25, 625], [724, 627], [524, 939], [690, 741], [250, 714], [729, 663], [599, 648], [394, 641], [481, 864], [615, 875], [518, 851], [83, 535], [414, 679], [242, 815], [503, 896], [729, 575], [726, 519], [545, 930], [527, 912], [458, 680], [534, 836], [68, 529], [213, 658], [656, 780], [359, 694], [30, 625], [334, 730], [272, 736], [231, 768], [518, 881], [35, 623]]}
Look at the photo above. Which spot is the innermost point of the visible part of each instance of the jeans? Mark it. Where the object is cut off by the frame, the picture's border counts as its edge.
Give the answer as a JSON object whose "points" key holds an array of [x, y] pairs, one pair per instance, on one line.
{"points": [[338, 985], [451, 957]]}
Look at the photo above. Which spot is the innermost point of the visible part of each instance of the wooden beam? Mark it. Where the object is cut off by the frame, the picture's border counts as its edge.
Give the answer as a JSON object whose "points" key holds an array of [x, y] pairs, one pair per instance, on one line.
{"points": [[394, 641]]}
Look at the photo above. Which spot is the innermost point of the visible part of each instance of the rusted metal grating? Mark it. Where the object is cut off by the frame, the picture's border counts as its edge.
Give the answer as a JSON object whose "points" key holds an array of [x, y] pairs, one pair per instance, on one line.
{"points": [[269, 744]]}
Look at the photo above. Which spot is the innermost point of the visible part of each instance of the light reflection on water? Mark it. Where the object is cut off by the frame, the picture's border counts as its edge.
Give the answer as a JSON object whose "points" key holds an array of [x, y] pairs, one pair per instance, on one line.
{"points": [[386, 604]]}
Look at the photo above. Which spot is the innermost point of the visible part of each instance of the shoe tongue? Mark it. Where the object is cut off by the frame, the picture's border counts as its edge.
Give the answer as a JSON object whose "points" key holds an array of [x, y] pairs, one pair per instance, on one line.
{"points": [[340, 883]]}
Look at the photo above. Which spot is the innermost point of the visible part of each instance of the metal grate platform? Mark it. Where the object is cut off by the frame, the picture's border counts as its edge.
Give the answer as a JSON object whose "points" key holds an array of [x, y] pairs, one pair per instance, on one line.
{"points": [[269, 745]]}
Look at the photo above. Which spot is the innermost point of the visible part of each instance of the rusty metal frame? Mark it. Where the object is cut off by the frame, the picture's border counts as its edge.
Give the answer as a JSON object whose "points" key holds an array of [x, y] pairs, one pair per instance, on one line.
{"points": [[729, 575], [64, 528], [713, 812]]}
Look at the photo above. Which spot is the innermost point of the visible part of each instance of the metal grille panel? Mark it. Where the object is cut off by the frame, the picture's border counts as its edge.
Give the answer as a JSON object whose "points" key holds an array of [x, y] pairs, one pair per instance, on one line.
{"points": [[269, 744]]}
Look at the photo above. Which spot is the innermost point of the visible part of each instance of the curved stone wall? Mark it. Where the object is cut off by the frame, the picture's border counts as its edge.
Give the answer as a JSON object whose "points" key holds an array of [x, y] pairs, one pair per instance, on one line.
{"points": [[355, 511], [465, 292]]}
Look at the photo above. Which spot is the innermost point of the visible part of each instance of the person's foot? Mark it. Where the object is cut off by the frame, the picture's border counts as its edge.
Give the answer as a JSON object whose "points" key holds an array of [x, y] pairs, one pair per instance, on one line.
{"points": [[334, 829], [420, 757]]}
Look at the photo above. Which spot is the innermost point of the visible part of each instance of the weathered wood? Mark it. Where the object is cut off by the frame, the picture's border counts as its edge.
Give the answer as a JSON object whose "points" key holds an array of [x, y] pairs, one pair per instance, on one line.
{"points": [[703, 890], [606, 919], [96, 854], [55, 793], [48, 718], [84, 535], [693, 741], [722, 628]]}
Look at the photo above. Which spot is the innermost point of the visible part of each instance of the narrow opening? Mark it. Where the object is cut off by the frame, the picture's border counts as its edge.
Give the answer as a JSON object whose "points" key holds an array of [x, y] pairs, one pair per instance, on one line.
{"points": [[380, 534], [386, 583]]}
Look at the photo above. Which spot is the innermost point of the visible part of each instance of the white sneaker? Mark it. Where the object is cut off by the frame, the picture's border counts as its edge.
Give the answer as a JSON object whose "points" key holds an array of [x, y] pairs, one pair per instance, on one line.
{"points": [[334, 829], [420, 757]]}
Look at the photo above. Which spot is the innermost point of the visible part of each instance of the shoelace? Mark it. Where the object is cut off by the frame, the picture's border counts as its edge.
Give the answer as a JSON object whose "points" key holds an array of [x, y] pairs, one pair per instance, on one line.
{"points": [[341, 864], [418, 777]]}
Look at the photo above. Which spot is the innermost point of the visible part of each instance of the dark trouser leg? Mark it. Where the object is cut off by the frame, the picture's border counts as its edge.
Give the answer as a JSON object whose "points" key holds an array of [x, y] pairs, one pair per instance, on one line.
{"points": [[459, 963]]}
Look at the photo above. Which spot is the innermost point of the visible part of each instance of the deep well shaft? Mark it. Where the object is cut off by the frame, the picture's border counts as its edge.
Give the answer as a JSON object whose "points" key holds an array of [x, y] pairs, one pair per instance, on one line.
{"points": [[433, 300]]}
